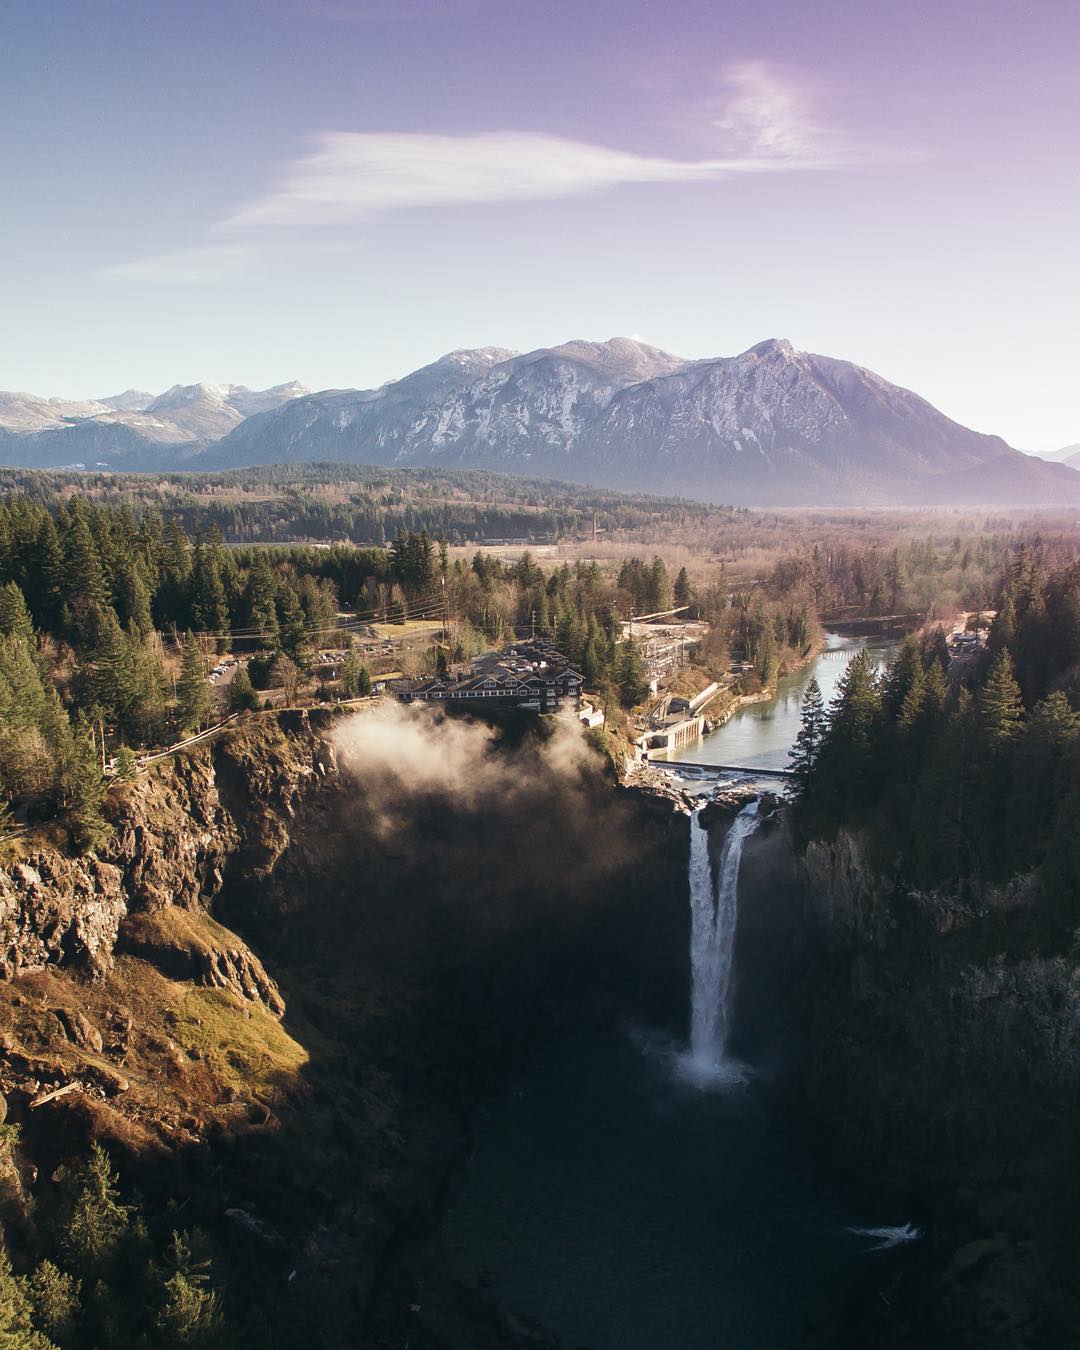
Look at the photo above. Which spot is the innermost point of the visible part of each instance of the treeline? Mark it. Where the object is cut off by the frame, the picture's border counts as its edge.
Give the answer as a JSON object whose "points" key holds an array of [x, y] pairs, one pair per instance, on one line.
{"points": [[351, 504], [926, 574], [96, 1269], [966, 773]]}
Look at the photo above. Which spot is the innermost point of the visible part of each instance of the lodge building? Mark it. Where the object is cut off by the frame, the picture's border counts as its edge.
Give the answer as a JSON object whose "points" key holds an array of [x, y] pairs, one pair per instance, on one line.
{"points": [[530, 675]]}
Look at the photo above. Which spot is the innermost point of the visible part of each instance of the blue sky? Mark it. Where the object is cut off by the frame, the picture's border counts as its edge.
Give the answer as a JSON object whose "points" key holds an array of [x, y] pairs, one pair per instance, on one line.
{"points": [[340, 190]]}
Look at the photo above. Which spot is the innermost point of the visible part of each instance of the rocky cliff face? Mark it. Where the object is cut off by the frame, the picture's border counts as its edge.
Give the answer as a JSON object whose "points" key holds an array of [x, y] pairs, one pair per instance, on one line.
{"points": [[945, 1064], [176, 830], [278, 996]]}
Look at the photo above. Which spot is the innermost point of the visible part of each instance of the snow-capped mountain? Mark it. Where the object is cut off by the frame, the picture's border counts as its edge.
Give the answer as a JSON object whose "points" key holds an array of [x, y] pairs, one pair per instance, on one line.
{"points": [[771, 426], [134, 429]]}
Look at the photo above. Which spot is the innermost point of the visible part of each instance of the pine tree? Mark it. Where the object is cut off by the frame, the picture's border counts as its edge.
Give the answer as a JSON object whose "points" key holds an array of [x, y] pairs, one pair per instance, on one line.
{"points": [[45, 579], [999, 705], [209, 609], [259, 604], [86, 788], [190, 1313], [242, 696], [630, 674], [132, 599], [17, 1331], [54, 1295], [853, 720], [292, 634], [804, 754], [683, 593], [96, 1219], [355, 679], [193, 691], [658, 595], [15, 620], [111, 673]]}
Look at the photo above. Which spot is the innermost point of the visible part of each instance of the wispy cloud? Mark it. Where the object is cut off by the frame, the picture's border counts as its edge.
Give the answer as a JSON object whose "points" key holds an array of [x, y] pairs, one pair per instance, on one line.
{"points": [[766, 125], [201, 265], [350, 177], [772, 111]]}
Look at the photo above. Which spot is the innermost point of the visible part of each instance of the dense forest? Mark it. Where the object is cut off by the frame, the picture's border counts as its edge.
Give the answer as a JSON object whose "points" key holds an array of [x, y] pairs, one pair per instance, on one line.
{"points": [[105, 1270], [964, 774], [350, 504], [110, 620]]}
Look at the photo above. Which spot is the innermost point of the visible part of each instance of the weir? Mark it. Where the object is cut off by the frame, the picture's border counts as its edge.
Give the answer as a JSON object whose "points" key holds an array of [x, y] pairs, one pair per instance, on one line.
{"points": [[713, 917], [748, 769]]}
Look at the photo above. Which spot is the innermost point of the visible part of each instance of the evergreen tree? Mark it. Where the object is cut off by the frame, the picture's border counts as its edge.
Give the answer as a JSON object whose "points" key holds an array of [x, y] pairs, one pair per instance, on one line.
{"points": [[209, 609], [630, 674], [355, 679], [261, 619], [190, 1313], [132, 600], [111, 673], [999, 705], [853, 720], [45, 579], [292, 634], [804, 754], [17, 1330], [15, 618], [54, 1296], [766, 657], [659, 595], [242, 696], [86, 790], [96, 1220], [193, 691], [682, 591]]}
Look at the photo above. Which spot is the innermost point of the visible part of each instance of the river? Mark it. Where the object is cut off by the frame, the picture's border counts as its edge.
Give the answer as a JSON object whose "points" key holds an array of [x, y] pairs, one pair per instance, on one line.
{"points": [[760, 735], [621, 1207]]}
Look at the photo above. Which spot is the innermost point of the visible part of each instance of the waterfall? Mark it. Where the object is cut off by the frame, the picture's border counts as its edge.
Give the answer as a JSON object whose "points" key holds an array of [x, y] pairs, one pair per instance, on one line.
{"points": [[712, 947]]}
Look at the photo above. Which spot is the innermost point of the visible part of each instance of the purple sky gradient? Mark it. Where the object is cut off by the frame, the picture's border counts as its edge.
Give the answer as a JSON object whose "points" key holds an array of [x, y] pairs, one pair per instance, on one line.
{"points": [[341, 190]]}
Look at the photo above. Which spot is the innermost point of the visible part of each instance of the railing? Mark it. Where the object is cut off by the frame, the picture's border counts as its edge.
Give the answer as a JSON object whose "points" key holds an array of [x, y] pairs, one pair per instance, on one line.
{"points": [[144, 761]]}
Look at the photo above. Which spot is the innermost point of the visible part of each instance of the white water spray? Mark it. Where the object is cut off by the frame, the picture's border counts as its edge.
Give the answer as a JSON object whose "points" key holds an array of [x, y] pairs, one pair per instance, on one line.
{"points": [[712, 948], [885, 1239]]}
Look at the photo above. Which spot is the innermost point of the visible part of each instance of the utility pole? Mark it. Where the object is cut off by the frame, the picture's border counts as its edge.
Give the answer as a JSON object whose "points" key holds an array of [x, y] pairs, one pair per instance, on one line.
{"points": [[532, 630]]}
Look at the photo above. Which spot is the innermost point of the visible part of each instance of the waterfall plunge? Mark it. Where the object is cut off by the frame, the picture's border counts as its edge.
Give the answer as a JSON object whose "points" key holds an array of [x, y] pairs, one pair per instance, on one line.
{"points": [[712, 950]]}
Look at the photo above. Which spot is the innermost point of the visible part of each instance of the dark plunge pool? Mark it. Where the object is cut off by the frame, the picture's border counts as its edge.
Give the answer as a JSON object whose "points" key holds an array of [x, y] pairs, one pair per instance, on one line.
{"points": [[626, 1210]]}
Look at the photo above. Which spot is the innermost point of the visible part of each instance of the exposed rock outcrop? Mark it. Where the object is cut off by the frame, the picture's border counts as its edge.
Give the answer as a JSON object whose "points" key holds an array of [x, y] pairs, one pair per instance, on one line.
{"points": [[177, 830]]}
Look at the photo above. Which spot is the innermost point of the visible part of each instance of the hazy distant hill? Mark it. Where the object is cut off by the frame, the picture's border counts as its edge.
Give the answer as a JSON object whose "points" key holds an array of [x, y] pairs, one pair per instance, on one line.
{"points": [[1069, 454], [772, 426]]}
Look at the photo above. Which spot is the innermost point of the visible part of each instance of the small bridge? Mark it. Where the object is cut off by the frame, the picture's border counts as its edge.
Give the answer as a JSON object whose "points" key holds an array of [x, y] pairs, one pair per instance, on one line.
{"points": [[721, 768]]}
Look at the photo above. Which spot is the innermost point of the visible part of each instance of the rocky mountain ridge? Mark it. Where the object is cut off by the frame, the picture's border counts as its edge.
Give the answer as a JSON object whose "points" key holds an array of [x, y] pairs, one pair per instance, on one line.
{"points": [[137, 428], [771, 426]]}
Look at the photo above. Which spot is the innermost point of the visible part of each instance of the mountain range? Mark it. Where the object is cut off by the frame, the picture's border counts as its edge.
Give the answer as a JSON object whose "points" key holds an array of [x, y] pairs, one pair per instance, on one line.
{"points": [[771, 426]]}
